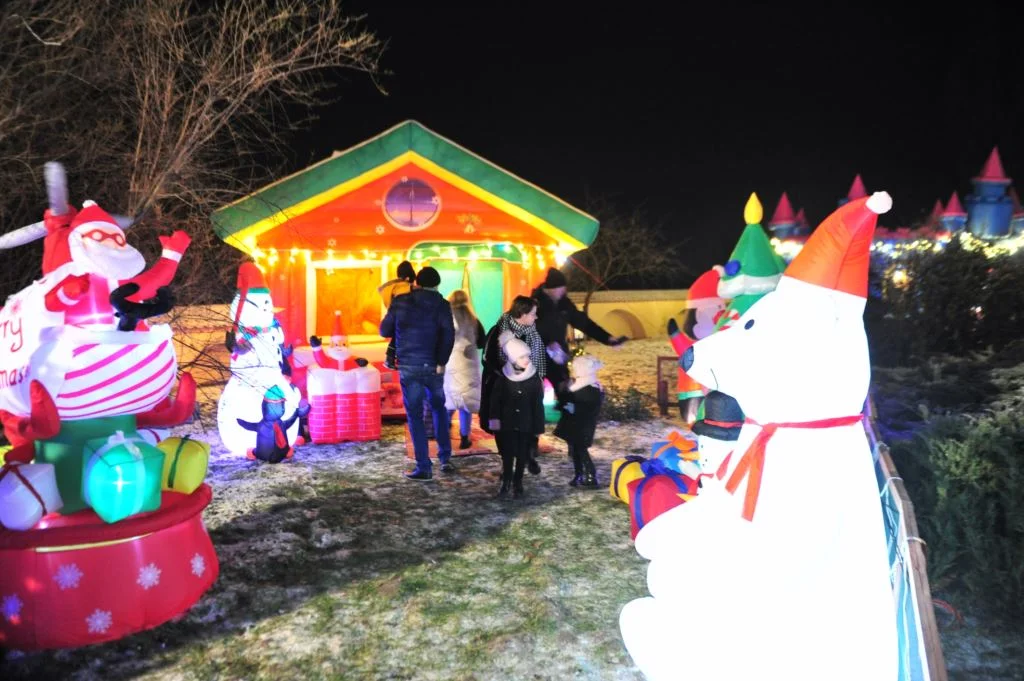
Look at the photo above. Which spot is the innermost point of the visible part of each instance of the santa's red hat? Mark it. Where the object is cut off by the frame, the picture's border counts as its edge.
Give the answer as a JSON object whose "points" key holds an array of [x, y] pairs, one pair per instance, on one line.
{"points": [[704, 290], [90, 221], [837, 254]]}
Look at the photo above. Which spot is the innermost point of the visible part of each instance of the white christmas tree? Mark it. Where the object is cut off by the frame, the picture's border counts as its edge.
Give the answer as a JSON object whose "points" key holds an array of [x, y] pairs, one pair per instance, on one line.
{"points": [[255, 364]]}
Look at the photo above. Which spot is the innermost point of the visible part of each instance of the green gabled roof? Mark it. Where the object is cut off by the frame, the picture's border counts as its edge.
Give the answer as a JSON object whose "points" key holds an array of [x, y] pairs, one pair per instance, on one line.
{"points": [[350, 164]]}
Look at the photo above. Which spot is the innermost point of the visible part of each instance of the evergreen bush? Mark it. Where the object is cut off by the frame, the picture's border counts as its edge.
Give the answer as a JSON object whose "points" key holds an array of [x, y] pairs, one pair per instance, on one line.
{"points": [[965, 475]]}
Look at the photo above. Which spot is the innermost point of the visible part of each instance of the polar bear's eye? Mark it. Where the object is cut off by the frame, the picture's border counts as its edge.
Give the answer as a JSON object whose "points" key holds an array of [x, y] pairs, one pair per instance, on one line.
{"points": [[749, 324]]}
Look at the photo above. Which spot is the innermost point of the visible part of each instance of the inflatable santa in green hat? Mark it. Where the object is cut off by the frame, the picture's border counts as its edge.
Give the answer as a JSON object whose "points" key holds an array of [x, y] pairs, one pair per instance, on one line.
{"points": [[753, 269]]}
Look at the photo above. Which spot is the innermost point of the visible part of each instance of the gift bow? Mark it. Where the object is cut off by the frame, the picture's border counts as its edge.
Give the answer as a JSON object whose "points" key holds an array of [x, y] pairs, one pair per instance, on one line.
{"points": [[687, 447]]}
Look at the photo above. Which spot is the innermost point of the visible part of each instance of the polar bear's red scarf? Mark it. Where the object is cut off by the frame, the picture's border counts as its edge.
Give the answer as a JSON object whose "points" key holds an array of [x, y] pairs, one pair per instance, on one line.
{"points": [[752, 461]]}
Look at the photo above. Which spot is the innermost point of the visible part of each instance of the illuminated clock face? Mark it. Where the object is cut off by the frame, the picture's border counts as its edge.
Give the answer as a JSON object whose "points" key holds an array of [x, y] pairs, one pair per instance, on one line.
{"points": [[411, 205]]}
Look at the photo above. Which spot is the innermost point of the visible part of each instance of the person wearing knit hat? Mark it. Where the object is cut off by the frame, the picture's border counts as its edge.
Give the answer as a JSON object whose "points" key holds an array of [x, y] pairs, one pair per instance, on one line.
{"points": [[428, 278], [516, 413], [580, 403], [421, 324], [555, 312], [390, 290]]}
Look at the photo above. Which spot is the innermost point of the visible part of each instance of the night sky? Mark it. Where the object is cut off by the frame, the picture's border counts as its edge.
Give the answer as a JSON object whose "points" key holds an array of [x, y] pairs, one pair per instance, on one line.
{"points": [[686, 115]]}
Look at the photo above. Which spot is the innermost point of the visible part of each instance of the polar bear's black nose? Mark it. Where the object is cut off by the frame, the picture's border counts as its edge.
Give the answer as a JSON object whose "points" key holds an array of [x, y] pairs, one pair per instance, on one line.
{"points": [[686, 361]]}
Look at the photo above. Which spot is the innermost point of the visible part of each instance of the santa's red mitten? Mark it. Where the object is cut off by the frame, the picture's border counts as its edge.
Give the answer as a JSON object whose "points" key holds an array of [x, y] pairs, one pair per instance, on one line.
{"points": [[175, 245], [67, 293]]}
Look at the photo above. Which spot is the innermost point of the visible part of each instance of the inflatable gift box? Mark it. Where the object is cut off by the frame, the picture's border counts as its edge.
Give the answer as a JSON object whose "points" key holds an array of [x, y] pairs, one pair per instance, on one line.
{"points": [[66, 452], [625, 471], [122, 476], [651, 496], [185, 464], [678, 453], [28, 491]]}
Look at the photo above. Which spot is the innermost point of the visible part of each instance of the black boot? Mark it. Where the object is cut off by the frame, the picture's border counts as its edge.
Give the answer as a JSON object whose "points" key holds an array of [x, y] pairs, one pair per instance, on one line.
{"points": [[531, 463], [505, 486], [590, 479], [465, 443], [577, 465], [517, 490]]}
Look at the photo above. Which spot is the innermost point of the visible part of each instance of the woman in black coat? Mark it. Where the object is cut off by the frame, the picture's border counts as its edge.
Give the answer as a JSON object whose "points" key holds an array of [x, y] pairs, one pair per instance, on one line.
{"points": [[516, 412]]}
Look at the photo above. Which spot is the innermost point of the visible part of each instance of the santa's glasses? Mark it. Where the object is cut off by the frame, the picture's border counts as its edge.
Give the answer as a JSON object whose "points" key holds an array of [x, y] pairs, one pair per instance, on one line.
{"points": [[100, 235]]}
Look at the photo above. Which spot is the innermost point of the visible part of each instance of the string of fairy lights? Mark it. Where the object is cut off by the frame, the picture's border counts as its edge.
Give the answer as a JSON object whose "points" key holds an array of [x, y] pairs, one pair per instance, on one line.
{"points": [[896, 248], [529, 257]]}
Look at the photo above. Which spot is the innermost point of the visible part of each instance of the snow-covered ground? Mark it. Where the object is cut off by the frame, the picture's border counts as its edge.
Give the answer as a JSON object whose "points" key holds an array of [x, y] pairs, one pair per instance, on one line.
{"points": [[333, 566]]}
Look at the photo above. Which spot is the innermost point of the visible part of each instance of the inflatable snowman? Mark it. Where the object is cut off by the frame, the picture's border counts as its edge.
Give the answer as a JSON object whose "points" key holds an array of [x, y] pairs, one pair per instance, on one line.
{"points": [[716, 435], [794, 558], [256, 364]]}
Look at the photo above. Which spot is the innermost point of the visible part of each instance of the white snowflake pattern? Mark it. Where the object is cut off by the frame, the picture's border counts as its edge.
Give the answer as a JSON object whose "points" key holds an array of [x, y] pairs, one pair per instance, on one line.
{"points": [[99, 621], [470, 229], [198, 565], [68, 576], [331, 243], [12, 607], [379, 229], [149, 576]]}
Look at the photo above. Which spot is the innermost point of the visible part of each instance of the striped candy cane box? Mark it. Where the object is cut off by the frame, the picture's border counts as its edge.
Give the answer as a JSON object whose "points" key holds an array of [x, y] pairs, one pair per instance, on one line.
{"points": [[121, 476]]}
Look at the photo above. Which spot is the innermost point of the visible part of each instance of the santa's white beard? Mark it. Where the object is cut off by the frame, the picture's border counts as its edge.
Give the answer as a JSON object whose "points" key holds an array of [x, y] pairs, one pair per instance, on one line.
{"points": [[115, 263]]}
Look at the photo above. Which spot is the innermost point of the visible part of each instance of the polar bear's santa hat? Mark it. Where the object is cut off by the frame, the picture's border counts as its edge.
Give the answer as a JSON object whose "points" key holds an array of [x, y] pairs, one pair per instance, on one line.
{"points": [[838, 253]]}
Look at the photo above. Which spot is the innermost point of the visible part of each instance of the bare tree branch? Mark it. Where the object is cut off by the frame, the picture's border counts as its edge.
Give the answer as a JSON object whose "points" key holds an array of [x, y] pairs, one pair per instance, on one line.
{"points": [[628, 248]]}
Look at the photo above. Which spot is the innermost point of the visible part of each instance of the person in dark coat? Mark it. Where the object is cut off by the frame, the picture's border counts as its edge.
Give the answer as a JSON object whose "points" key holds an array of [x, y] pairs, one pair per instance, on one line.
{"points": [[580, 403], [555, 313], [516, 413], [272, 432], [520, 320], [421, 324]]}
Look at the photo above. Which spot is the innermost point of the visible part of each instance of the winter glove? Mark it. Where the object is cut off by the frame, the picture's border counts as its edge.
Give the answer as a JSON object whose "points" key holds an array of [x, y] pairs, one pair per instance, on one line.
{"points": [[303, 409], [314, 342], [673, 327], [556, 353]]}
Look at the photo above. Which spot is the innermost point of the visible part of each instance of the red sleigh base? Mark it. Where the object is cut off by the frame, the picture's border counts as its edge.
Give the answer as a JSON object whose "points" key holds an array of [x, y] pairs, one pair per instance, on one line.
{"points": [[75, 580]]}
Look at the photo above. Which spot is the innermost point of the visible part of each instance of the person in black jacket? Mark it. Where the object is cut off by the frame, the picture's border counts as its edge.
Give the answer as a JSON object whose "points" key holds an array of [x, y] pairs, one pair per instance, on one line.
{"points": [[580, 404], [520, 320], [424, 332], [516, 412], [555, 313]]}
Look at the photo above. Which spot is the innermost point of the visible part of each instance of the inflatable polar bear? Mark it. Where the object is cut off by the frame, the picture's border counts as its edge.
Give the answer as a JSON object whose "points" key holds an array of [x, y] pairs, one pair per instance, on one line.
{"points": [[791, 551]]}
